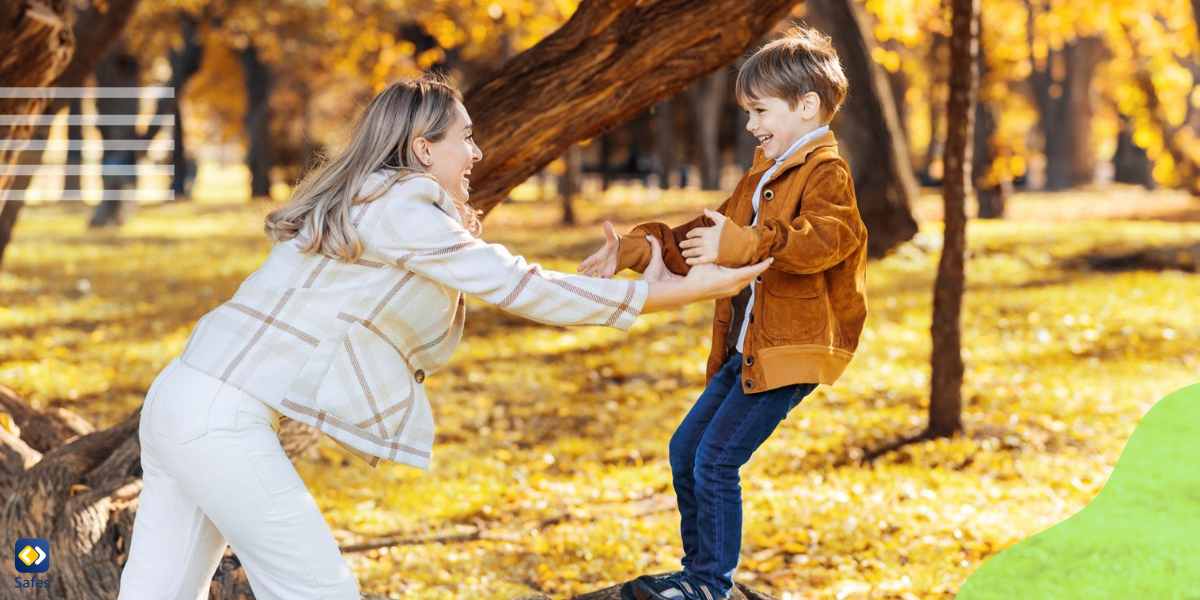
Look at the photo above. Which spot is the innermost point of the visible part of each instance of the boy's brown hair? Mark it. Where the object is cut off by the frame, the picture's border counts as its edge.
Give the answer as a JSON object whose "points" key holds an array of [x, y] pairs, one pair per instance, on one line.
{"points": [[800, 62]]}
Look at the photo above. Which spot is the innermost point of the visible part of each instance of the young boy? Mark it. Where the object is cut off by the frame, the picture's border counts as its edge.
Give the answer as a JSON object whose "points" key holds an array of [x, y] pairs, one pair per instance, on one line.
{"points": [[795, 327]]}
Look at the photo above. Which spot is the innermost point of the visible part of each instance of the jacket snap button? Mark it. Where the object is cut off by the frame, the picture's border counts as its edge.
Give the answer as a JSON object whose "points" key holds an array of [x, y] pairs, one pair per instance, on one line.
{"points": [[749, 384], [420, 376], [749, 361], [758, 279], [769, 194]]}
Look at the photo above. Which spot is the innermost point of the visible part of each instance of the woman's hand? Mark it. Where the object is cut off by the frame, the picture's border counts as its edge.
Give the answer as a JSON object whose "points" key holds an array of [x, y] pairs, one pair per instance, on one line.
{"points": [[712, 281], [657, 270], [703, 282], [603, 263]]}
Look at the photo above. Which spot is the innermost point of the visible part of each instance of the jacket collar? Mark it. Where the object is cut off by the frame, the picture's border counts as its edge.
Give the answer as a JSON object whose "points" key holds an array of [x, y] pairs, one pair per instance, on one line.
{"points": [[762, 163]]}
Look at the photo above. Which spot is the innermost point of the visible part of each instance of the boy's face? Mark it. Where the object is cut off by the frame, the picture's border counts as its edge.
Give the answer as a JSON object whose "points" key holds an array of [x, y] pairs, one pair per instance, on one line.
{"points": [[777, 125]]}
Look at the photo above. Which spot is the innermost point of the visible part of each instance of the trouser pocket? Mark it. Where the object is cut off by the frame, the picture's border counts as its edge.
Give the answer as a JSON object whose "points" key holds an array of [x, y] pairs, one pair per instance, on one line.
{"points": [[183, 403]]}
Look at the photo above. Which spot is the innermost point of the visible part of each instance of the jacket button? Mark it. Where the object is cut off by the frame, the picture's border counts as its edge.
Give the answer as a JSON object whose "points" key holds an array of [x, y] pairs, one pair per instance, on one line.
{"points": [[749, 361], [769, 194], [749, 384], [758, 279], [420, 376]]}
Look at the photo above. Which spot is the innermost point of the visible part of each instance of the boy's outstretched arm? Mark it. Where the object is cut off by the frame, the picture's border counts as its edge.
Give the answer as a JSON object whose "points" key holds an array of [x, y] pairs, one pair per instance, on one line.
{"points": [[827, 230], [634, 250]]}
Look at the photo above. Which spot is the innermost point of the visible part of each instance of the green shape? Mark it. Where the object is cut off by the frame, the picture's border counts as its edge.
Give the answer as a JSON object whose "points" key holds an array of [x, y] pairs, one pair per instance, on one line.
{"points": [[1139, 538]]}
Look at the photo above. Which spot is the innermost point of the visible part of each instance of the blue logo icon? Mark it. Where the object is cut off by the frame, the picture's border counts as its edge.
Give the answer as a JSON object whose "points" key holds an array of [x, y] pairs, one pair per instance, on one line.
{"points": [[32, 555]]}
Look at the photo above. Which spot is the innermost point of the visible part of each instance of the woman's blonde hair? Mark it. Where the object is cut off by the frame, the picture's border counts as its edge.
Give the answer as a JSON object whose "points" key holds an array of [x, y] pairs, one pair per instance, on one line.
{"points": [[380, 137]]}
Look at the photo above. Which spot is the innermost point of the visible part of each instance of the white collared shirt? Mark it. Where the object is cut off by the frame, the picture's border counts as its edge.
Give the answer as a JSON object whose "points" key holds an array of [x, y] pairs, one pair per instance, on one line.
{"points": [[804, 139]]}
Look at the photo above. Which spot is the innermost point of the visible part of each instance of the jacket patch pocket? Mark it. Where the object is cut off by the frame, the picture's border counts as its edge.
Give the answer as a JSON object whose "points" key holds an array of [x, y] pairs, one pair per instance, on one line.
{"points": [[794, 308]]}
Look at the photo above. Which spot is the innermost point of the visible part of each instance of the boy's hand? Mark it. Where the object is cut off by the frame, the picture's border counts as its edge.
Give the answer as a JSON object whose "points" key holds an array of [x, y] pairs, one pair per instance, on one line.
{"points": [[657, 270], [701, 246], [603, 262]]}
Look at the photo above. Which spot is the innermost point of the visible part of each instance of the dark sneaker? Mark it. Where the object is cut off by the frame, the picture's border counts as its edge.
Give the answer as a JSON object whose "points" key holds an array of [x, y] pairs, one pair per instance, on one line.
{"points": [[671, 588], [627, 587]]}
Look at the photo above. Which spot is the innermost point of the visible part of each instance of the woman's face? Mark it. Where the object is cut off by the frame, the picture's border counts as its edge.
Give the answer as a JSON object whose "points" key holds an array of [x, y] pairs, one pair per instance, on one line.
{"points": [[451, 158]]}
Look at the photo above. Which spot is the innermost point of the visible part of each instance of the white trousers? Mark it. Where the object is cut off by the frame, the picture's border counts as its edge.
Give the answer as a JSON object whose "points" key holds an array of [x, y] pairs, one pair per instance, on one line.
{"points": [[214, 473]]}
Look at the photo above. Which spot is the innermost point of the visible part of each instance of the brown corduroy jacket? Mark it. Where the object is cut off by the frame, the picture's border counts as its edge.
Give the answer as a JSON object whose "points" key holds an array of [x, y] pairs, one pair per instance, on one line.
{"points": [[810, 306]]}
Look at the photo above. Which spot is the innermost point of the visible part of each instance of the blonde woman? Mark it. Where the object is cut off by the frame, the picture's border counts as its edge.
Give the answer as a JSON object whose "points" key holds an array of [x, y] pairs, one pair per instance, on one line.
{"points": [[361, 299]]}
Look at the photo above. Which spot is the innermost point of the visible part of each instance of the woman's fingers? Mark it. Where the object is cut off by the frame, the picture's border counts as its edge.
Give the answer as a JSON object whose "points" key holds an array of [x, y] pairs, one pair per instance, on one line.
{"points": [[751, 271], [586, 265]]}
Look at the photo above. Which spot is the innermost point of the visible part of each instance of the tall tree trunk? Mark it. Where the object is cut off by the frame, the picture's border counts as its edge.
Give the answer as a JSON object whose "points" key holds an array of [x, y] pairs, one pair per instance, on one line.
{"points": [[991, 188], [258, 121], [612, 60], [72, 182], [938, 59], [708, 98], [120, 69], [185, 62], [871, 132], [8, 221], [1062, 87], [569, 184], [945, 400], [35, 39], [1131, 164], [1082, 59], [664, 122]]}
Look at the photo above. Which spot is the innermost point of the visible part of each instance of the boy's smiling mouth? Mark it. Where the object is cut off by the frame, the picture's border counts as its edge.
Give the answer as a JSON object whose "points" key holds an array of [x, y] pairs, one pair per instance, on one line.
{"points": [[763, 139]]}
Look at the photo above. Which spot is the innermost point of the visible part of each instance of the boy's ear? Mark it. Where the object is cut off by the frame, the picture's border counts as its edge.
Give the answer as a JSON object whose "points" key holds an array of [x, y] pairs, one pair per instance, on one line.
{"points": [[810, 106]]}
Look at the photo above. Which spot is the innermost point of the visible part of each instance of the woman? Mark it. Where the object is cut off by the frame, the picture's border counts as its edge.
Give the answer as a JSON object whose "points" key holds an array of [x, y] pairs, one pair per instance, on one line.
{"points": [[361, 299]]}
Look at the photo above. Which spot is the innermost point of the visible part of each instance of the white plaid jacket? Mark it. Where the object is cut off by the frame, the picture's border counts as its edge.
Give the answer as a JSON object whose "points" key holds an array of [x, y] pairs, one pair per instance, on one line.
{"points": [[345, 347]]}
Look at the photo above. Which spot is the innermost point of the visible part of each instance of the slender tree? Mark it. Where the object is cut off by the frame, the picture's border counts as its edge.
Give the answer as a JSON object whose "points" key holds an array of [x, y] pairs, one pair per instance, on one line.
{"points": [[945, 402]]}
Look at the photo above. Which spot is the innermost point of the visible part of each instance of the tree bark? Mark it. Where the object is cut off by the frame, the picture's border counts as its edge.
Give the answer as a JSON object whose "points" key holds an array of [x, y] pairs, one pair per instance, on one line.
{"points": [[38, 46], [1062, 88], [664, 121], [708, 98], [258, 121], [74, 157], [992, 189], [35, 24], [612, 60], [1131, 164], [938, 56], [569, 184], [945, 402], [1082, 59], [39, 43], [79, 490], [185, 63], [883, 176], [120, 69]]}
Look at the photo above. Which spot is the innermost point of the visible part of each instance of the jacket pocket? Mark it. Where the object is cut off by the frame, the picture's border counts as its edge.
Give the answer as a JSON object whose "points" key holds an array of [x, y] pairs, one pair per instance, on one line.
{"points": [[794, 307]]}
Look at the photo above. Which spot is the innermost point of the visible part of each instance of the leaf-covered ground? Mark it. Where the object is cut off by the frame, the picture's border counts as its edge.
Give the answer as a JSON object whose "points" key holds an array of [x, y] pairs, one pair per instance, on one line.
{"points": [[550, 471]]}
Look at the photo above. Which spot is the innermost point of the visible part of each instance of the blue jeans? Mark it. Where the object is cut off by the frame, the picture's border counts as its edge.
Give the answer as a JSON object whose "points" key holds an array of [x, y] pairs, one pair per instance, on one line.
{"points": [[716, 438]]}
